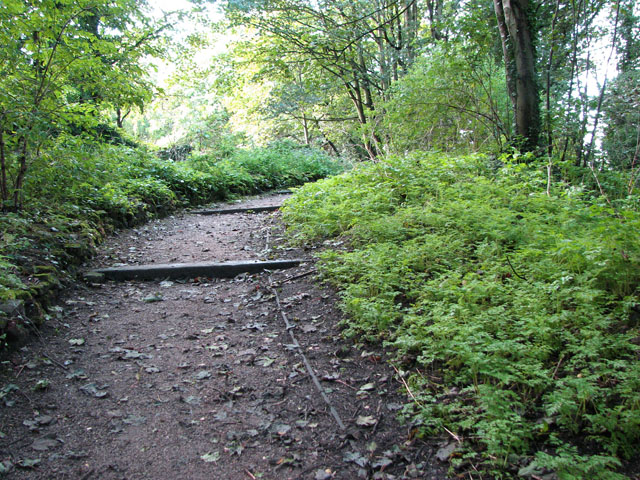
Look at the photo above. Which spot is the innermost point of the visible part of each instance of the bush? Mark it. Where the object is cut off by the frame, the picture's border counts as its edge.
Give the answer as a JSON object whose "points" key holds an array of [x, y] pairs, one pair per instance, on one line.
{"points": [[518, 314], [282, 164]]}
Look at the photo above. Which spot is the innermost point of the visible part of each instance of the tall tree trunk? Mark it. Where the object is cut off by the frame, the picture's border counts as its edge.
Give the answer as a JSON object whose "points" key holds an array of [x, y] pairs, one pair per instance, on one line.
{"points": [[574, 64], [305, 128], [603, 89], [506, 53], [516, 36], [4, 189], [355, 95], [22, 162], [411, 31], [548, 81], [435, 18]]}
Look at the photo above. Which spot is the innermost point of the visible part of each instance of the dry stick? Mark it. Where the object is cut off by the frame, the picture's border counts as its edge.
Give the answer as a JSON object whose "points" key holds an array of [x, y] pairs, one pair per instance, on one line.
{"points": [[35, 328], [295, 277], [54, 361], [406, 386], [555, 371], [514, 270], [337, 380], [308, 366], [413, 397]]}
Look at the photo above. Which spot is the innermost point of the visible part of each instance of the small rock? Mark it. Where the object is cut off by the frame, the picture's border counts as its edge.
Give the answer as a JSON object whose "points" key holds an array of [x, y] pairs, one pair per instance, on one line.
{"points": [[445, 452], [93, 277]]}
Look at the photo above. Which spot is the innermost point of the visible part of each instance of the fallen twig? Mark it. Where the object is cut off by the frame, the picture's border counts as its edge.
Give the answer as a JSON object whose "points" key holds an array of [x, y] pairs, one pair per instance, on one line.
{"points": [[337, 380], [54, 361], [295, 277], [413, 397], [307, 365], [406, 386], [555, 370], [455, 437]]}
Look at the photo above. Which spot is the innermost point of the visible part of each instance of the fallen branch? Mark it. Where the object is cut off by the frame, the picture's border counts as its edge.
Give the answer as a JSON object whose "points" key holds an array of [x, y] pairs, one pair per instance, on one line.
{"points": [[307, 365], [54, 361], [406, 386], [514, 270], [295, 277]]}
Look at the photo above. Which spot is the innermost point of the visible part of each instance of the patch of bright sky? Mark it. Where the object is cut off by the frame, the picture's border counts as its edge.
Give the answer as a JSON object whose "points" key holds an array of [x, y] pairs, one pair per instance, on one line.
{"points": [[156, 114], [184, 28]]}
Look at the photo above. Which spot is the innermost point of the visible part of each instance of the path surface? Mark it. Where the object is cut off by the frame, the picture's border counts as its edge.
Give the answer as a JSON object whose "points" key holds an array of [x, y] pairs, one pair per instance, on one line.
{"points": [[200, 379]]}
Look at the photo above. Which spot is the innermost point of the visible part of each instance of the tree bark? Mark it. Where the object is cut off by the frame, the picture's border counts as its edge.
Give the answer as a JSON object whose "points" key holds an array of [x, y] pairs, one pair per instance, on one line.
{"points": [[4, 190], [17, 192], [435, 18], [548, 81], [305, 128], [517, 45]]}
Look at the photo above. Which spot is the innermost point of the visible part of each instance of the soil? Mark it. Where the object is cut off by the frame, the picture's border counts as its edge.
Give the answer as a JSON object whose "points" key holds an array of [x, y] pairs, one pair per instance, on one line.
{"points": [[201, 378]]}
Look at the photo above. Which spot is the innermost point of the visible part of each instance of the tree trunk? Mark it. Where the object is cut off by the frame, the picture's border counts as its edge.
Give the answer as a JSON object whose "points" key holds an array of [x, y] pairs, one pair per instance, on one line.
{"points": [[305, 128], [411, 30], [4, 189], [355, 94], [548, 80], [17, 191], [435, 18], [517, 45]]}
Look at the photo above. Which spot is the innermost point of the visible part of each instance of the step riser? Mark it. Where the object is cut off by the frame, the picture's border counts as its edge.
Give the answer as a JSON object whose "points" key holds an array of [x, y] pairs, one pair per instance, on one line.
{"points": [[230, 211], [191, 270]]}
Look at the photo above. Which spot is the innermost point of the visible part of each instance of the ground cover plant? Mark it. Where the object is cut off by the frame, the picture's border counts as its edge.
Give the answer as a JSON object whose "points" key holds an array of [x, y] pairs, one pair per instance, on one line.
{"points": [[514, 308], [81, 189]]}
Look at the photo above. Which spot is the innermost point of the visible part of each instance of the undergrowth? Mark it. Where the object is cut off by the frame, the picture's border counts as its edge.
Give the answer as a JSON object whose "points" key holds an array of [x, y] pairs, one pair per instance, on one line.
{"points": [[514, 314]]}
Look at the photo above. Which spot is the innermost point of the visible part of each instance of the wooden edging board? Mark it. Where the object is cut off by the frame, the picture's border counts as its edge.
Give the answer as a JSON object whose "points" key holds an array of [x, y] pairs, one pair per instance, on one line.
{"points": [[190, 270], [229, 211]]}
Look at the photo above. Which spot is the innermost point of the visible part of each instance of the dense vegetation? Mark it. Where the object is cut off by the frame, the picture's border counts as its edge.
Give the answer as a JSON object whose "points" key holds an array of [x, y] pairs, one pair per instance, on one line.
{"points": [[514, 313]]}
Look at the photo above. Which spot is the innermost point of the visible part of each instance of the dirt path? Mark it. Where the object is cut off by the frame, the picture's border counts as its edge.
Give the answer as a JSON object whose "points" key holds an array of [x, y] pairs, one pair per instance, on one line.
{"points": [[200, 379]]}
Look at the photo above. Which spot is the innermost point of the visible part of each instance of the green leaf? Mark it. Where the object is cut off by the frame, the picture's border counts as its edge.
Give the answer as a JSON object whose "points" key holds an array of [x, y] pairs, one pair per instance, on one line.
{"points": [[211, 457]]}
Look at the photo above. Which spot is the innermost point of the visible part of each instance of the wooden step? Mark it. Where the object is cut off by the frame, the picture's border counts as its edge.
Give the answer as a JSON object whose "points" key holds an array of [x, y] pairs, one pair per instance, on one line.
{"points": [[188, 270], [229, 211]]}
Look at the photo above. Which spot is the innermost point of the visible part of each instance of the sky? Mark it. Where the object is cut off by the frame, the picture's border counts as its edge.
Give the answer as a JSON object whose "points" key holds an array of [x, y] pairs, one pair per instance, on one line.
{"points": [[182, 29]]}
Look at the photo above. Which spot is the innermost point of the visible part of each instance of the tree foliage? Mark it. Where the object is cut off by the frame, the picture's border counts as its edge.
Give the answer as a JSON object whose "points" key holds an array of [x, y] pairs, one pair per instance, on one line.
{"points": [[552, 56], [63, 64], [362, 45]]}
